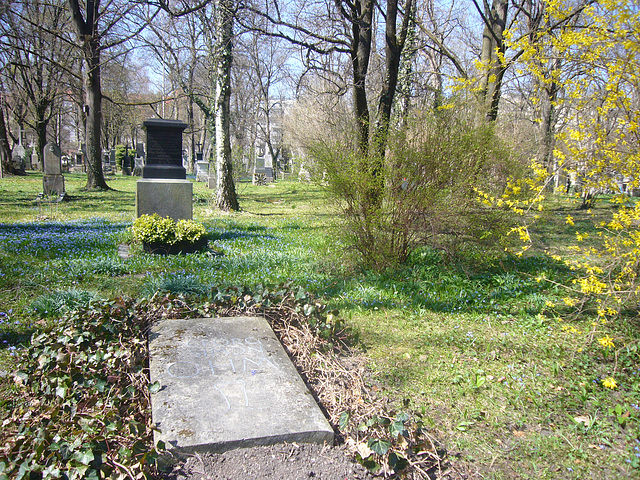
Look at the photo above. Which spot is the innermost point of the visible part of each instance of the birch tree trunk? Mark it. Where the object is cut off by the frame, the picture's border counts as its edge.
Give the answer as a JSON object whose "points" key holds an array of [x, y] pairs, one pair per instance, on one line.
{"points": [[226, 198]]}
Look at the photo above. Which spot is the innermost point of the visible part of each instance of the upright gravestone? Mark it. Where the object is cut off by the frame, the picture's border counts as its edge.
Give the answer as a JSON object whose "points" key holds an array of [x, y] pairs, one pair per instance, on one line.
{"points": [[17, 156], [52, 180], [35, 162], [263, 171], [163, 188], [202, 171], [138, 162]]}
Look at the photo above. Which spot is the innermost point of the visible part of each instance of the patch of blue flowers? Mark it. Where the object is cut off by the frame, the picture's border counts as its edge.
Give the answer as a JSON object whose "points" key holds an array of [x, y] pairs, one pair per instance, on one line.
{"points": [[59, 239]]}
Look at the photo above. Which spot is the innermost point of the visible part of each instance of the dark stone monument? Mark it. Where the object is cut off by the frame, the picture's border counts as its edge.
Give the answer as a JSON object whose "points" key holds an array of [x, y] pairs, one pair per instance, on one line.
{"points": [[163, 188], [164, 149]]}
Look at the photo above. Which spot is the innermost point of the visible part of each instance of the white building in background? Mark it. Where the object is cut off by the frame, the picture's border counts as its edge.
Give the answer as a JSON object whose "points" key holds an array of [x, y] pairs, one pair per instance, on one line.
{"points": [[271, 157]]}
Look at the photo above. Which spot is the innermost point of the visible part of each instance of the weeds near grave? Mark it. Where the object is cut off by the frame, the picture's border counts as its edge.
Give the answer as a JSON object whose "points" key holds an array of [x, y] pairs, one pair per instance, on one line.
{"points": [[106, 265], [177, 282], [60, 302]]}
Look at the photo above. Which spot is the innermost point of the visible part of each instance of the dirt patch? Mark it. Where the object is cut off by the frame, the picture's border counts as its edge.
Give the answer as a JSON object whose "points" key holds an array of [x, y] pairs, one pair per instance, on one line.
{"points": [[281, 462]]}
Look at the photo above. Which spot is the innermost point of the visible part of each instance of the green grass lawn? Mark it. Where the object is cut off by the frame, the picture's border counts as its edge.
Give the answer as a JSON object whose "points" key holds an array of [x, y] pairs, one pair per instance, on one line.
{"points": [[492, 361]]}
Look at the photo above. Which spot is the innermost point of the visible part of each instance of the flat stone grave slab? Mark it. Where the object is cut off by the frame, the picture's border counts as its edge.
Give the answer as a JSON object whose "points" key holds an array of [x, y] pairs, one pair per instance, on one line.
{"points": [[227, 383]]}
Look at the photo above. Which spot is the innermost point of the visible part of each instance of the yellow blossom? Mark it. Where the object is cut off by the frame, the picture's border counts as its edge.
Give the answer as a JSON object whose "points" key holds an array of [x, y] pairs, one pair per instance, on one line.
{"points": [[606, 342], [609, 382]]}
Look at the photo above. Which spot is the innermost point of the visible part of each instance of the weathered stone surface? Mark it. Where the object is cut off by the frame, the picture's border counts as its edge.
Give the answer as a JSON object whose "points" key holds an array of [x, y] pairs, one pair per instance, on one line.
{"points": [[53, 184], [166, 197], [228, 383], [52, 159]]}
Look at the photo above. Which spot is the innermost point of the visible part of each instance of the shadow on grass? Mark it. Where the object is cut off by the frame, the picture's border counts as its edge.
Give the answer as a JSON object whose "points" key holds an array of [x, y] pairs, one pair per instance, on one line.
{"points": [[509, 286]]}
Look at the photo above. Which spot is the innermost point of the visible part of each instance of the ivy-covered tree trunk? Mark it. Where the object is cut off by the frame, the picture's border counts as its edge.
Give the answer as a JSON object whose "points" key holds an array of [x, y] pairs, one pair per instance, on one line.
{"points": [[226, 198]]}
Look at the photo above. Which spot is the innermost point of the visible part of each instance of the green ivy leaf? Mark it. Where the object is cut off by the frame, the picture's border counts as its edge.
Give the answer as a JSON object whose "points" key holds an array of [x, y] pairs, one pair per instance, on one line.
{"points": [[396, 428], [61, 391], [381, 447], [403, 417], [369, 463], [397, 462], [85, 457], [343, 423], [154, 387]]}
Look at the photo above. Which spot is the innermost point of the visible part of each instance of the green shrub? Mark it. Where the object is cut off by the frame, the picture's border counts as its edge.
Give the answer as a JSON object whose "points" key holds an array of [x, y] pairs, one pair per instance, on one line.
{"points": [[424, 192], [180, 282], [156, 229], [59, 302], [121, 153]]}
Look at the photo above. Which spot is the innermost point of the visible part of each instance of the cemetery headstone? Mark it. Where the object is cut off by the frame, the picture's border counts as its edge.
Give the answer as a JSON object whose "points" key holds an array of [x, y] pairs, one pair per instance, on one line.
{"points": [[202, 171], [126, 165], [17, 156], [263, 171], [138, 165], [35, 162], [53, 180], [164, 149], [227, 383], [106, 163], [163, 188]]}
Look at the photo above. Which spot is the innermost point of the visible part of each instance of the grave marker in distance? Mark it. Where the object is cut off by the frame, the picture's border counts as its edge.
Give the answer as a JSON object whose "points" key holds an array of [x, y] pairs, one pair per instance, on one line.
{"points": [[53, 180]]}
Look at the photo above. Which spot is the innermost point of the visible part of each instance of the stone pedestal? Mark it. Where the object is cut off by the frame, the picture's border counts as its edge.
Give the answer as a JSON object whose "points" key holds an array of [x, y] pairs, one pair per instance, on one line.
{"points": [[164, 196]]}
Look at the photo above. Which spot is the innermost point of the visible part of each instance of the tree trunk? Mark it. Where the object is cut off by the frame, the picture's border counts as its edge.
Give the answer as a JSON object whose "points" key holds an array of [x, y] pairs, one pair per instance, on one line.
{"points": [[393, 53], [95, 175], [226, 198], [494, 68], [87, 31], [548, 119], [5, 151], [362, 13], [41, 132]]}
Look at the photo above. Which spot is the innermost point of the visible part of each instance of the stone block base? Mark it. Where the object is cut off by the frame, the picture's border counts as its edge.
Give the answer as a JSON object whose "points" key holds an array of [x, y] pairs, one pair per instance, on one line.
{"points": [[166, 197], [53, 184]]}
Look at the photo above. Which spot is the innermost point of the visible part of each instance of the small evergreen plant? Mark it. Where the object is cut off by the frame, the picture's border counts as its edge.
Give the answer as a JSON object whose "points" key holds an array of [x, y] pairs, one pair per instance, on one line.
{"points": [[157, 229]]}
